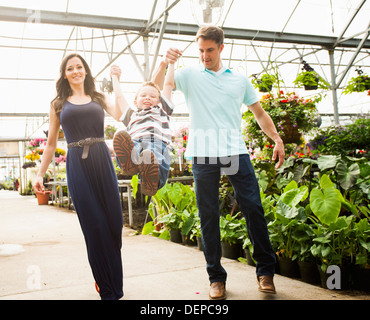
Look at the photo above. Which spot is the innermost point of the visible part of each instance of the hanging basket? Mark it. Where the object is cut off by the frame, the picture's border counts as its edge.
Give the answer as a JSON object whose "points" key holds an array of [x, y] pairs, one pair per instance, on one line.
{"points": [[43, 197], [291, 133], [306, 87], [267, 89]]}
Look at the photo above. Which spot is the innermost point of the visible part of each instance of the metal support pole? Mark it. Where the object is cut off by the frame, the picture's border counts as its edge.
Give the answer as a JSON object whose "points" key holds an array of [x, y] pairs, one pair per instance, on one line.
{"points": [[146, 59], [334, 86], [160, 38], [359, 47]]}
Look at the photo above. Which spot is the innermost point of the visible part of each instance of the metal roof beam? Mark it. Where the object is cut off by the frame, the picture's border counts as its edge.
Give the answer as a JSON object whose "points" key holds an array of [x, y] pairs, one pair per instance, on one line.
{"points": [[114, 23]]}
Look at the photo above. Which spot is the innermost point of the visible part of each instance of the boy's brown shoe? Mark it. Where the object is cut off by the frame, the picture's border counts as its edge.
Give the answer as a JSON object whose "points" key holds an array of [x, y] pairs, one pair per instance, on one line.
{"points": [[149, 173], [123, 148]]}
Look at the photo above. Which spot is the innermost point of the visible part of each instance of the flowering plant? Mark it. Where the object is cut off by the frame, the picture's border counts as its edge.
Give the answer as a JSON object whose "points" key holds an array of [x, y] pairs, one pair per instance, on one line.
{"points": [[59, 152], [60, 159], [33, 145], [285, 110], [33, 155], [179, 142], [109, 131]]}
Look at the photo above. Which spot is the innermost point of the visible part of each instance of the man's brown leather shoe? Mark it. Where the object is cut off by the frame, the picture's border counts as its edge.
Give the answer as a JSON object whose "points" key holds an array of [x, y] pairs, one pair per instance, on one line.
{"points": [[217, 291], [266, 284]]}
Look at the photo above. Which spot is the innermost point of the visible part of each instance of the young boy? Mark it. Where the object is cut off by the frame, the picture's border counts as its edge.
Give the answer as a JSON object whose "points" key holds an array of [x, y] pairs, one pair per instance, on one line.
{"points": [[143, 147]]}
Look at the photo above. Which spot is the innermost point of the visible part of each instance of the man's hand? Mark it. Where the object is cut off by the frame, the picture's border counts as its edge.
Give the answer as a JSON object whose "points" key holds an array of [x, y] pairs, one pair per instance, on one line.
{"points": [[279, 152], [171, 55]]}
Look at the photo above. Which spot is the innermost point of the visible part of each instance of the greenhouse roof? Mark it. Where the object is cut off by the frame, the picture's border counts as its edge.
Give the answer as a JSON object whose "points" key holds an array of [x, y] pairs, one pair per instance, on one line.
{"points": [[35, 36]]}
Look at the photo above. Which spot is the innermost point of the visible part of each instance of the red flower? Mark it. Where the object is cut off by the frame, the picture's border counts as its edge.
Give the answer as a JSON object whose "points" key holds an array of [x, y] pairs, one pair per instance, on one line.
{"points": [[284, 101]]}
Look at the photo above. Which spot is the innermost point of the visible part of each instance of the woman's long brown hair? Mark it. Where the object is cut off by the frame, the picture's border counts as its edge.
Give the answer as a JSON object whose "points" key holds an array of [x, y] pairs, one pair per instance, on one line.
{"points": [[64, 90]]}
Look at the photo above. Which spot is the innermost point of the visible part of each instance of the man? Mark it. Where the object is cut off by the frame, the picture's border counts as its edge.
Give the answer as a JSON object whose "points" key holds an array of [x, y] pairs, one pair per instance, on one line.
{"points": [[214, 95]]}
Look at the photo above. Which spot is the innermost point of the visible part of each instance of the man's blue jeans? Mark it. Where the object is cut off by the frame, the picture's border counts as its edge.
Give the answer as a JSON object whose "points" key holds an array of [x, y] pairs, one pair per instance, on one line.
{"points": [[207, 173]]}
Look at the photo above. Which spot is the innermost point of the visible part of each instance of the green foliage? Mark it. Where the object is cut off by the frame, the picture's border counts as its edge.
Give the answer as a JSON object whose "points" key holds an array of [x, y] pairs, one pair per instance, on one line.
{"points": [[319, 214], [232, 228], [312, 79], [343, 140], [265, 82], [316, 210], [358, 84], [285, 110], [174, 205]]}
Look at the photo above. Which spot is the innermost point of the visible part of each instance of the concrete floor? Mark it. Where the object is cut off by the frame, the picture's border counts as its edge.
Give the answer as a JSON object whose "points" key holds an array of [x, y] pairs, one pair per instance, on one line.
{"points": [[52, 263]]}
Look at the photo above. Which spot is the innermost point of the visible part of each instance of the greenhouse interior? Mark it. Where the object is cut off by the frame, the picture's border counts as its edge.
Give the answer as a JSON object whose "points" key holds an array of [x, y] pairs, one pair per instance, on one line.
{"points": [[309, 64]]}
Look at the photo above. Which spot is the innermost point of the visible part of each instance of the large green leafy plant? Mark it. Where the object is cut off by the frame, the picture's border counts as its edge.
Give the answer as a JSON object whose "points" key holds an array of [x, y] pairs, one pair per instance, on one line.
{"points": [[232, 228], [174, 205]]}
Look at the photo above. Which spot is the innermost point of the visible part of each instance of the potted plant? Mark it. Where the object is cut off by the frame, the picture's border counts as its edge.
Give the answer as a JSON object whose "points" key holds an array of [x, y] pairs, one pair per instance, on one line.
{"points": [[59, 152], [109, 131], [352, 139], [173, 221], [310, 80], [333, 242], [307, 265], [43, 197], [291, 114], [188, 220], [231, 231], [60, 134], [358, 84], [169, 203], [333, 245], [196, 232], [284, 230], [248, 249], [361, 270], [264, 83]]}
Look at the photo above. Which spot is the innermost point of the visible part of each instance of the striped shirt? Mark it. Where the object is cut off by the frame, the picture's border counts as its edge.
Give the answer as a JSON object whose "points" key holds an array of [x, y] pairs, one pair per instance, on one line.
{"points": [[152, 122]]}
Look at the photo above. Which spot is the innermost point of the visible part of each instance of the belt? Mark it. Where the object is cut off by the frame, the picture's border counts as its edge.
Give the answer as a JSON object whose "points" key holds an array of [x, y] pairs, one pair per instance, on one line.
{"points": [[85, 144]]}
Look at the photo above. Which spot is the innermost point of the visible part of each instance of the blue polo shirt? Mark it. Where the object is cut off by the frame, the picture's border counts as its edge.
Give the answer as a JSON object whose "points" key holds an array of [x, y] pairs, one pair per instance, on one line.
{"points": [[214, 101]]}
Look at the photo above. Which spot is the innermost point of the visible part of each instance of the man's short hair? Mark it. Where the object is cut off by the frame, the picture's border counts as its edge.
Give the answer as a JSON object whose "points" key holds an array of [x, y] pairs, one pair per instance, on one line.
{"points": [[211, 33]]}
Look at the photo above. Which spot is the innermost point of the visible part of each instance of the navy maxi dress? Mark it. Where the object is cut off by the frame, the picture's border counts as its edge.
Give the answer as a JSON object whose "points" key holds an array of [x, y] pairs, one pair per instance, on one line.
{"points": [[92, 184]]}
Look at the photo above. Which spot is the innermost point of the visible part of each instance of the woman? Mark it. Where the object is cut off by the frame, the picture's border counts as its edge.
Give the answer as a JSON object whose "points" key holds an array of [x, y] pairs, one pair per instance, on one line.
{"points": [[92, 182]]}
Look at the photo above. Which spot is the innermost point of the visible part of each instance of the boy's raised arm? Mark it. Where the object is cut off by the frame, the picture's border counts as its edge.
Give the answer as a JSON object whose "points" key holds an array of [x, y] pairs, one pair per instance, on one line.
{"points": [[170, 57], [169, 82]]}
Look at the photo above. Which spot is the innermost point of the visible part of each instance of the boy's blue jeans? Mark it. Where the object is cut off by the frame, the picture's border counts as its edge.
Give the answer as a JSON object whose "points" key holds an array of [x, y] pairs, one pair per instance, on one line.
{"points": [[160, 150], [207, 173]]}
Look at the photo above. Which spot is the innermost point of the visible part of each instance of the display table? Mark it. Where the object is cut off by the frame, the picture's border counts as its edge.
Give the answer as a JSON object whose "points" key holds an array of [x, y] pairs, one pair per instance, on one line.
{"points": [[126, 184], [54, 197]]}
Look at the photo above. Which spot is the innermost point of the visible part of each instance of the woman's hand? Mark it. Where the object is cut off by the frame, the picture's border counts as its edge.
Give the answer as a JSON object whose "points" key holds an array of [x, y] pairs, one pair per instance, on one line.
{"points": [[115, 71], [39, 185]]}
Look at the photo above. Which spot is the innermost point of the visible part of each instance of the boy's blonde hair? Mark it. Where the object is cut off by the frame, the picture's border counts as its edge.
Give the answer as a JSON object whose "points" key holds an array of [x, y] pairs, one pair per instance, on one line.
{"points": [[148, 84]]}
